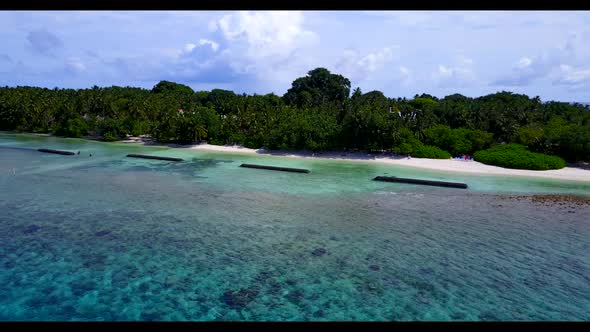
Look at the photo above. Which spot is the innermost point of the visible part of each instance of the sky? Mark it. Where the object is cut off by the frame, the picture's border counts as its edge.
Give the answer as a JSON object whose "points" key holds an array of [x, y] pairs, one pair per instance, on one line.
{"points": [[401, 53]]}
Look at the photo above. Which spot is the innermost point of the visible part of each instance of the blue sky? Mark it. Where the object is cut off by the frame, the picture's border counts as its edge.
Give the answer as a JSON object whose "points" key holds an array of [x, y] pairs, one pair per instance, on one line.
{"points": [[544, 53]]}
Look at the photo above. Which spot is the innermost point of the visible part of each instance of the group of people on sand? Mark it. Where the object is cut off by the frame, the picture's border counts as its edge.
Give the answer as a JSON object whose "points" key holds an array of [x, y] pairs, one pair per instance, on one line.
{"points": [[465, 157]]}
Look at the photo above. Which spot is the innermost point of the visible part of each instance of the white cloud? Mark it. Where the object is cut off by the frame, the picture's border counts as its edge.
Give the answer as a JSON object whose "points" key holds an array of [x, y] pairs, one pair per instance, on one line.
{"points": [[444, 72], [203, 46], [361, 67], [214, 45], [267, 34], [458, 74], [374, 61], [574, 78], [572, 75], [405, 75], [272, 45], [404, 71], [189, 47], [212, 26], [526, 70], [553, 63], [524, 62], [75, 64]]}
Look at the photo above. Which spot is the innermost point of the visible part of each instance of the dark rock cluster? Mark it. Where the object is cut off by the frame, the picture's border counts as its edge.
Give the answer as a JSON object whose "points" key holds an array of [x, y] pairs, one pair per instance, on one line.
{"points": [[571, 199], [295, 296], [319, 252], [553, 199], [241, 298], [102, 233], [562, 201], [31, 229], [374, 267]]}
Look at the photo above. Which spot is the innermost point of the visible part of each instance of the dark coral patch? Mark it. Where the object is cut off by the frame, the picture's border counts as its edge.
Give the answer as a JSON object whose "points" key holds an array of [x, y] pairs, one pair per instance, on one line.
{"points": [[31, 229], [295, 296], [102, 233], [241, 298], [319, 252]]}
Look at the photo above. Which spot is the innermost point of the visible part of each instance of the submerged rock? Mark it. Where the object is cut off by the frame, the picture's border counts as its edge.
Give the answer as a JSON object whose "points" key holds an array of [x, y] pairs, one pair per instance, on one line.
{"points": [[102, 233], [144, 287], [97, 261], [274, 288], [241, 298], [81, 287], [67, 310], [9, 264], [319, 252], [295, 296], [120, 279], [426, 272], [48, 290], [458, 316], [422, 297], [264, 275], [31, 229], [35, 302], [319, 314]]}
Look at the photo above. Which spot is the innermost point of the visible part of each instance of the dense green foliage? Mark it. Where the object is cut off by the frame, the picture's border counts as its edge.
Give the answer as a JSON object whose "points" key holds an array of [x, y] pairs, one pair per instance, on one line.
{"points": [[429, 151], [458, 141], [317, 113], [318, 88], [517, 156]]}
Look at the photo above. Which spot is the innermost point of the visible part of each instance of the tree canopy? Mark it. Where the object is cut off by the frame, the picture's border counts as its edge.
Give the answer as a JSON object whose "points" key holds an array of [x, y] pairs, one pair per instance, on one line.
{"points": [[316, 113], [318, 88]]}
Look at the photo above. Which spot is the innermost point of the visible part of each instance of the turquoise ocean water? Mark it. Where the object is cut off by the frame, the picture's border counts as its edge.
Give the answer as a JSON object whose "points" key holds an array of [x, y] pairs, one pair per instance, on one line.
{"points": [[114, 238]]}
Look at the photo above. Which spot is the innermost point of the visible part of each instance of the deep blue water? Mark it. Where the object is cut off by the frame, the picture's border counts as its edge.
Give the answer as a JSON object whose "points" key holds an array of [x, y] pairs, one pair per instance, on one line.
{"points": [[111, 238]]}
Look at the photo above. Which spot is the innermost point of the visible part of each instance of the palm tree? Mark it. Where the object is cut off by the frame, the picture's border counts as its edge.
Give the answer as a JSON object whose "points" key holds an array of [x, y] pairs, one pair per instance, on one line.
{"points": [[200, 132]]}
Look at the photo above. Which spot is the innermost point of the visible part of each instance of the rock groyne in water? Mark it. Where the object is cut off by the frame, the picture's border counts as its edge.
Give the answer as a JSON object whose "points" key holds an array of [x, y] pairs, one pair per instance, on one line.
{"points": [[65, 153], [276, 168], [423, 182], [153, 157]]}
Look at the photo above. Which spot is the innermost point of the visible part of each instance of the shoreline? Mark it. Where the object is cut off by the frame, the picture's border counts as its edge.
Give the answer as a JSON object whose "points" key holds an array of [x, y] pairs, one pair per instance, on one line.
{"points": [[447, 165]]}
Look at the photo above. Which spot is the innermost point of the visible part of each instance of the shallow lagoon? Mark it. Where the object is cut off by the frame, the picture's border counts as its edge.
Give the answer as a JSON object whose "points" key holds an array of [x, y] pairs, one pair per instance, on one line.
{"points": [[112, 238]]}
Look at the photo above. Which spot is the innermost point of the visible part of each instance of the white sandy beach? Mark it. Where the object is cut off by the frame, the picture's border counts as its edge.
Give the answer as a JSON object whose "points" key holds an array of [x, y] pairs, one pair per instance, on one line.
{"points": [[567, 173]]}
